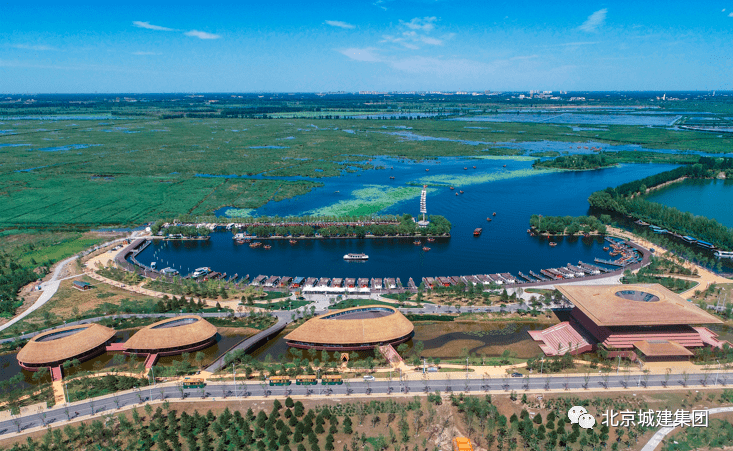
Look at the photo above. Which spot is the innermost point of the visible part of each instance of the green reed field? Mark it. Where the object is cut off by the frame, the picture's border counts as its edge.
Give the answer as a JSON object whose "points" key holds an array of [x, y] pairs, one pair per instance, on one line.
{"points": [[89, 173]]}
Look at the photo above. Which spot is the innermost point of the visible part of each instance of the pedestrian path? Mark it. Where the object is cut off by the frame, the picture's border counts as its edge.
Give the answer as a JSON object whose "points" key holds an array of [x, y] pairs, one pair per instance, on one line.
{"points": [[657, 438]]}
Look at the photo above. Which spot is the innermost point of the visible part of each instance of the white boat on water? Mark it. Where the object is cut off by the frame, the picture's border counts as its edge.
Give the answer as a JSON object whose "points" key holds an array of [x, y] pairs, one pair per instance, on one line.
{"points": [[201, 272], [356, 257]]}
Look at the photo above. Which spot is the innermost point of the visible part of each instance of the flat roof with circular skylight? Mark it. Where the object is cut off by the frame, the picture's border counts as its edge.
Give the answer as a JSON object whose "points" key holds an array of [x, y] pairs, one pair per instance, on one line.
{"points": [[636, 295]]}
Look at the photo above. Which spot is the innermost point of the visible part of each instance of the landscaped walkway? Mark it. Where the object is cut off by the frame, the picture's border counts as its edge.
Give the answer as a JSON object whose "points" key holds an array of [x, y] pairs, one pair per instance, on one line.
{"points": [[706, 277], [657, 438]]}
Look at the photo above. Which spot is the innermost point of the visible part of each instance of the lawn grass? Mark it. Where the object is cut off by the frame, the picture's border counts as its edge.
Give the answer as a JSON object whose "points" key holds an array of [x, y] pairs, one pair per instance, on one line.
{"points": [[69, 304]]}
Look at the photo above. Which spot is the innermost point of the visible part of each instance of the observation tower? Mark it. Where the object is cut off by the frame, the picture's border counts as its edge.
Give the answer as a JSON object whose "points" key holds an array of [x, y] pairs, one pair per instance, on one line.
{"points": [[423, 222]]}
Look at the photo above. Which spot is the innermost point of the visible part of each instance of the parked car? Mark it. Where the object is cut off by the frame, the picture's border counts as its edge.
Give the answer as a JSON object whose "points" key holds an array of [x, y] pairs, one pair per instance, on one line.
{"points": [[368, 378], [517, 375]]}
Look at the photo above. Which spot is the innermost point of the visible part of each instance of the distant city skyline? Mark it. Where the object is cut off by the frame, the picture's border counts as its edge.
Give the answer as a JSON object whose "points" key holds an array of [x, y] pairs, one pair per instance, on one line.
{"points": [[377, 45]]}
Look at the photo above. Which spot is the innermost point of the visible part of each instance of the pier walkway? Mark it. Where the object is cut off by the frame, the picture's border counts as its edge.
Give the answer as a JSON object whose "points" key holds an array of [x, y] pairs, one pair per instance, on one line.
{"points": [[247, 343]]}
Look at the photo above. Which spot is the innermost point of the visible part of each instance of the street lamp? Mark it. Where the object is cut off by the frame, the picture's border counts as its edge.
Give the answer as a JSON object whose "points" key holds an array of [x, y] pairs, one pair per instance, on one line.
{"points": [[716, 374], [542, 365]]}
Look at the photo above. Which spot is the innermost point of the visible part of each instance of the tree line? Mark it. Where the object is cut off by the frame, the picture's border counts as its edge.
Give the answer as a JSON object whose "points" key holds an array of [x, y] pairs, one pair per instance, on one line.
{"points": [[626, 199], [439, 225], [569, 224]]}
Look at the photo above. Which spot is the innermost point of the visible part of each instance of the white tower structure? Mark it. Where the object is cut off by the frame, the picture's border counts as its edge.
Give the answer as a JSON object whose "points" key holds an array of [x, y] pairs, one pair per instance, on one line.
{"points": [[423, 222]]}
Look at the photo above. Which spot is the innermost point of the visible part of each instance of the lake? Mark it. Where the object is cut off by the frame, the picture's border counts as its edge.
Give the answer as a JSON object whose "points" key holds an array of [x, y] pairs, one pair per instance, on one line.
{"points": [[507, 186], [700, 197]]}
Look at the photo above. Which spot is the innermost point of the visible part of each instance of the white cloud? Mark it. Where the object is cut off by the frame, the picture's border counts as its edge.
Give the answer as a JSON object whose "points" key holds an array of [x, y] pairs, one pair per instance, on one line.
{"points": [[408, 39], [421, 23], [42, 48], [431, 41], [378, 4], [145, 53], [201, 34], [730, 15], [367, 54], [150, 26], [594, 21], [340, 24]]}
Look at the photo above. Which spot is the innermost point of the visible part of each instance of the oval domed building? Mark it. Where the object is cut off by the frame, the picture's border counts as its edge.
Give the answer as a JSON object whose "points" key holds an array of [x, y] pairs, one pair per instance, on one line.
{"points": [[51, 349], [353, 329], [172, 336]]}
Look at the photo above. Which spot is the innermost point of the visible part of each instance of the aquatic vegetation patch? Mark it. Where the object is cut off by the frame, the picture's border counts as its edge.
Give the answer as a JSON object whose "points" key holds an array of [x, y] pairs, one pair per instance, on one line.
{"points": [[368, 200], [239, 212], [504, 157], [475, 179]]}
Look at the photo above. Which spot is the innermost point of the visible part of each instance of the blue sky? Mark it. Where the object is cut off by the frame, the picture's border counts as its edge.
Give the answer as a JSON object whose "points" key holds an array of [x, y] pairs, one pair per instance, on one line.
{"points": [[48, 47]]}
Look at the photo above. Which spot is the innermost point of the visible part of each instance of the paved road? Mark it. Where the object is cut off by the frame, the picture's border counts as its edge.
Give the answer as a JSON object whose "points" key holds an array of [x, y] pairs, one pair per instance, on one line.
{"points": [[358, 388], [50, 286], [657, 438]]}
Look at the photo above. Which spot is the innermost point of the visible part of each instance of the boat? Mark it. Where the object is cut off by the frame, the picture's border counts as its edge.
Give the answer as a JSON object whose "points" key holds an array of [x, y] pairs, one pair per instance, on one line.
{"points": [[417, 242], [293, 242], [451, 187], [356, 257], [430, 240], [606, 248], [724, 254], [461, 191], [474, 167], [465, 168], [425, 248], [391, 177], [489, 219], [427, 170], [504, 165], [553, 244], [266, 246], [494, 214], [456, 194], [201, 272], [705, 244], [477, 231], [337, 191]]}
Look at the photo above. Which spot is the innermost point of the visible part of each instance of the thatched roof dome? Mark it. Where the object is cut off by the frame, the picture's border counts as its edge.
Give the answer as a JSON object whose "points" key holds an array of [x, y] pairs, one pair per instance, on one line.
{"points": [[64, 344], [176, 332], [367, 324]]}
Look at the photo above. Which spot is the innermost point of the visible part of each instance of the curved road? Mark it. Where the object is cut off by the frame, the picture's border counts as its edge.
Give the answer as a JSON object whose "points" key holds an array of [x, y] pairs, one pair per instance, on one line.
{"points": [[52, 285], [49, 289], [357, 388], [657, 438]]}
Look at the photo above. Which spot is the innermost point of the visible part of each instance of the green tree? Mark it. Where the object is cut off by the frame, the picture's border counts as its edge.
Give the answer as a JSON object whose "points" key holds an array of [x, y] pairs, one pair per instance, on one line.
{"points": [[347, 425]]}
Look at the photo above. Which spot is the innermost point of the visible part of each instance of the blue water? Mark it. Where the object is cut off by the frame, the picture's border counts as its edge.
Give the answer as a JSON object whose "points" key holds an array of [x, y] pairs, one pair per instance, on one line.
{"points": [[504, 245], [709, 198], [67, 147], [574, 118]]}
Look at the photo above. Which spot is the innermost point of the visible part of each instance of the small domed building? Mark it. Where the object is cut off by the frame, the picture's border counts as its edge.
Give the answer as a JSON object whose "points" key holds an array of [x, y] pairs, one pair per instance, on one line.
{"points": [[353, 329], [172, 336], [53, 348]]}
